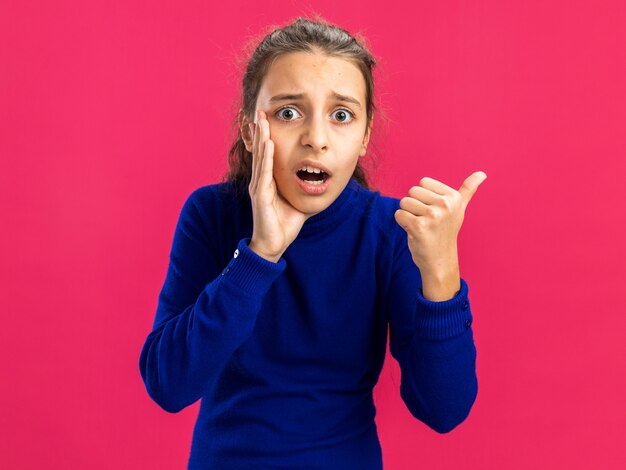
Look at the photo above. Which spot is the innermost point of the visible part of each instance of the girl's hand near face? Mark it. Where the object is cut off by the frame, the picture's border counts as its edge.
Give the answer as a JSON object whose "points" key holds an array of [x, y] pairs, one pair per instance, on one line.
{"points": [[276, 223]]}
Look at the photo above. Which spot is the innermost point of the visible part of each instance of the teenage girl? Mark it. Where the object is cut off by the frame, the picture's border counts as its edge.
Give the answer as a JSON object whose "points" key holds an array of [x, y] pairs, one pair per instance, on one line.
{"points": [[284, 278]]}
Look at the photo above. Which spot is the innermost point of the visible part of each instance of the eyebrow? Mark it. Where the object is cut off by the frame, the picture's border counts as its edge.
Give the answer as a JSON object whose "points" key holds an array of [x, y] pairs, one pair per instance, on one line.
{"points": [[299, 96]]}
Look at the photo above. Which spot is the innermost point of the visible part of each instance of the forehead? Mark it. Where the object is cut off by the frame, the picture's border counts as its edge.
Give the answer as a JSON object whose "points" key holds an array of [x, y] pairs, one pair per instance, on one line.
{"points": [[312, 74]]}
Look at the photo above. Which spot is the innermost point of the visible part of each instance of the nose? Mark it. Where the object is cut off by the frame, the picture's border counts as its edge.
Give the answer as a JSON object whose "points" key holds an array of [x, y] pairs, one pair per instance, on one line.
{"points": [[314, 134]]}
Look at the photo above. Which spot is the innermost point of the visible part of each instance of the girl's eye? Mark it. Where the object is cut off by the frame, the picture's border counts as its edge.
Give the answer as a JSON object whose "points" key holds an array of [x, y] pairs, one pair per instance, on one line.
{"points": [[342, 113], [287, 113]]}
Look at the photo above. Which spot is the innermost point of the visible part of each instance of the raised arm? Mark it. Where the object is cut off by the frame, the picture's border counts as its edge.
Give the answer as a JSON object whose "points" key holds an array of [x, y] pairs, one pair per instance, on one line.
{"points": [[205, 312], [434, 346]]}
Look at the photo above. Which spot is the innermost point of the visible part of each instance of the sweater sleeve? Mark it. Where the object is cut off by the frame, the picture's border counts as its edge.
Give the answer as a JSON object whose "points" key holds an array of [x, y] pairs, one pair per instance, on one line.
{"points": [[199, 323], [434, 346]]}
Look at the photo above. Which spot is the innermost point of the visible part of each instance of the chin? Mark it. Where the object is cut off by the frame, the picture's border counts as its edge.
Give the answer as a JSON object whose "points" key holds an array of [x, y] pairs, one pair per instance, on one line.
{"points": [[310, 206]]}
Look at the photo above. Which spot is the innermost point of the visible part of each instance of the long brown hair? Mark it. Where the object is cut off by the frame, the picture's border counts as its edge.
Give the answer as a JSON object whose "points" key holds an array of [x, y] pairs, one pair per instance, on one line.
{"points": [[302, 35]]}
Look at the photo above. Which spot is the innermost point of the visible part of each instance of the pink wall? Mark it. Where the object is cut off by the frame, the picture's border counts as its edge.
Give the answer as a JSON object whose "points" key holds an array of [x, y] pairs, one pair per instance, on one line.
{"points": [[112, 112]]}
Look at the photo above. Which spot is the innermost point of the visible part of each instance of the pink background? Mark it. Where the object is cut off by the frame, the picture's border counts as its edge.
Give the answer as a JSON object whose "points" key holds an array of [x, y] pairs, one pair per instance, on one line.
{"points": [[112, 112]]}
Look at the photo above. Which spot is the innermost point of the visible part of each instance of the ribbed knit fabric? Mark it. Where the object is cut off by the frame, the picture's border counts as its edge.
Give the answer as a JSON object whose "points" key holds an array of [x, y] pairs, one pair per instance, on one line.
{"points": [[285, 355]]}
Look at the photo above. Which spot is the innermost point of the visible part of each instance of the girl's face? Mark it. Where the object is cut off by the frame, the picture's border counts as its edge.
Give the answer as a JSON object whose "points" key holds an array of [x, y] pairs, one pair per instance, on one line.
{"points": [[315, 106]]}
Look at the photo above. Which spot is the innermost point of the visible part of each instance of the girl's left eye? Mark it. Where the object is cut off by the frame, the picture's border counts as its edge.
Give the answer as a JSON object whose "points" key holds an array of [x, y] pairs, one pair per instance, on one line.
{"points": [[345, 112], [287, 116]]}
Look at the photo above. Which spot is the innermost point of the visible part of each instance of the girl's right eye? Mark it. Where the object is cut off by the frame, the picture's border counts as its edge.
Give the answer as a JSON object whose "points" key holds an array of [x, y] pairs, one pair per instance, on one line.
{"points": [[288, 115]]}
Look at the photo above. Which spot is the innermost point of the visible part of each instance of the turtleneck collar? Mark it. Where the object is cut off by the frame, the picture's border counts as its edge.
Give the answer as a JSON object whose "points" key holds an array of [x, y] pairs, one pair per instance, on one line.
{"points": [[332, 216]]}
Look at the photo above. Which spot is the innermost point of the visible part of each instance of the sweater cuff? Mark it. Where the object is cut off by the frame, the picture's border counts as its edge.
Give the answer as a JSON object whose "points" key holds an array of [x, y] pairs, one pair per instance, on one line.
{"points": [[251, 272], [444, 319]]}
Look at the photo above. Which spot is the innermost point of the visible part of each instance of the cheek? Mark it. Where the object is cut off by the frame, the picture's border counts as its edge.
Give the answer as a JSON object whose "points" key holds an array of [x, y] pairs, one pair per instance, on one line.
{"points": [[350, 143]]}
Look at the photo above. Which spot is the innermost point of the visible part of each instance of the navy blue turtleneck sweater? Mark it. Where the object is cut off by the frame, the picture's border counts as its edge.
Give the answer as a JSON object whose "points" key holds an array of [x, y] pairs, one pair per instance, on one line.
{"points": [[285, 355]]}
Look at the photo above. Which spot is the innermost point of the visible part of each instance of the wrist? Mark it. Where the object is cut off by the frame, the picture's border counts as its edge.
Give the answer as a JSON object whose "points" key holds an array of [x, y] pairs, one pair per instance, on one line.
{"points": [[441, 285], [262, 254]]}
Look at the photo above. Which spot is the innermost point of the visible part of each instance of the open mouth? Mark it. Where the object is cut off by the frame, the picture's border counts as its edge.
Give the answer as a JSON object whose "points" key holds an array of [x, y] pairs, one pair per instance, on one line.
{"points": [[312, 178]]}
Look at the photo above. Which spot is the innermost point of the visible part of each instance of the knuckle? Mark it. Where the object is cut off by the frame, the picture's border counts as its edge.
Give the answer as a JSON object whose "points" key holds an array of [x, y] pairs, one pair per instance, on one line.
{"points": [[452, 201], [447, 203]]}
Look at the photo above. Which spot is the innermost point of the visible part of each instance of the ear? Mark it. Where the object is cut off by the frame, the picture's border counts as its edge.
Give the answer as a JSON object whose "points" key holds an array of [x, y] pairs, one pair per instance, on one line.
{"points": [[366, 139], [244, 130]]}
